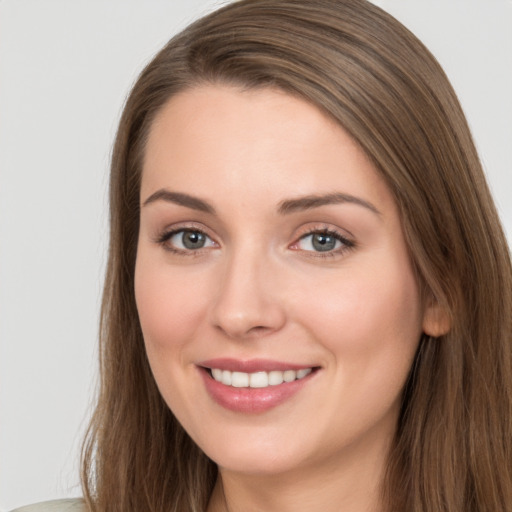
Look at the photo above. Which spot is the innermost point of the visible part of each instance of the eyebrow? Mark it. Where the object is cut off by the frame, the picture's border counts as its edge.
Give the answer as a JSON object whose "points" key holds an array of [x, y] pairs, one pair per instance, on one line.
{"points": [[315, 201], [285, 207], [181, 199]]}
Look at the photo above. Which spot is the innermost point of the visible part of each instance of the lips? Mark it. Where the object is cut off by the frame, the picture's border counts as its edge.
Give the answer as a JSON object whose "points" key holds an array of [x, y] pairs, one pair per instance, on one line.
{"points": [[253, 386]]}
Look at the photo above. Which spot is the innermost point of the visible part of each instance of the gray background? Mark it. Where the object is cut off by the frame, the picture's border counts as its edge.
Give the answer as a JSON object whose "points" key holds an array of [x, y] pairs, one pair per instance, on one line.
{"points": [[65, 69]]}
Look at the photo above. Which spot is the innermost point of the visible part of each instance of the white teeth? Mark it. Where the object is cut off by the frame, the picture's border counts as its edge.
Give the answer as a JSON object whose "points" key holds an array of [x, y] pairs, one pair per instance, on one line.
{"points": [[302, 373], [275, 378], [258, 379], [289, 375], [226, 377], [239, 380]]}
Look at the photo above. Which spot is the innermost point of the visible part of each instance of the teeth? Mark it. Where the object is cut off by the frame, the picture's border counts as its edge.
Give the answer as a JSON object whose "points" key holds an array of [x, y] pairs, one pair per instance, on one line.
{"points": [[226, 378], [275, 378], [302, 373], [289, 375], [239, 380], [258, 379]]}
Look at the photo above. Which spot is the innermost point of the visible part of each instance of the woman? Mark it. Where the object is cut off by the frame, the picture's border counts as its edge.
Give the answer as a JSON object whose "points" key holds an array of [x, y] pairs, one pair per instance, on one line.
{"points": [[308, 295]]}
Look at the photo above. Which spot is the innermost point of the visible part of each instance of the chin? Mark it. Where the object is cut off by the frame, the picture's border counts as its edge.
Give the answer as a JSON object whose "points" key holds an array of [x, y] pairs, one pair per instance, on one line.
{"points": [[254, 450], [258, 463]]}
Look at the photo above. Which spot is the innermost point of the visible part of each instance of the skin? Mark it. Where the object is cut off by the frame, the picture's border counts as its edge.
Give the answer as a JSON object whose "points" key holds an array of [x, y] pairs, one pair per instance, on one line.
{"points": [[258, 289]]}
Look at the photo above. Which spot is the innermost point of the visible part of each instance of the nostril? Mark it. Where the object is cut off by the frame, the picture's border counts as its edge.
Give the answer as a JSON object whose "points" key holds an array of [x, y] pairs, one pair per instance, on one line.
{"points": [[239, 313], [259, 328], [241, 332]]}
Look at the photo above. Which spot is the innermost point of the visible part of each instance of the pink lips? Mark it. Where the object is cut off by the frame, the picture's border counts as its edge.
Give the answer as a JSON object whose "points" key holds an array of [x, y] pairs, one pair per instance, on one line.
{"points": [[250, 400], [254, 365]]}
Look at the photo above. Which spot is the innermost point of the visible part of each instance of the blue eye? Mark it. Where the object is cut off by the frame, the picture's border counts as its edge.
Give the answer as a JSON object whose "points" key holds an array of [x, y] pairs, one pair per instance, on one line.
{"points": [[319, 242], [187, 240], [323, 242]]}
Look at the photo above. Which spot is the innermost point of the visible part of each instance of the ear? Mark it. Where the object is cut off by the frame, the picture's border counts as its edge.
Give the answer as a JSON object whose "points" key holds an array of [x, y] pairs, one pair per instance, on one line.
{"points": [[436, 319]]}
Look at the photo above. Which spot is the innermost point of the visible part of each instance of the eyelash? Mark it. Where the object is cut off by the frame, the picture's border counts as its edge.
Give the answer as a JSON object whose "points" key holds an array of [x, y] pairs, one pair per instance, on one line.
{"points": [[347, 244], [164, 238]]}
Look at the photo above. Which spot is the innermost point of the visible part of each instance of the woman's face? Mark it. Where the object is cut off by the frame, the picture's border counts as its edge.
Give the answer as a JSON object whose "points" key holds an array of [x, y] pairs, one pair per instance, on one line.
{"points": [[279, 308]]}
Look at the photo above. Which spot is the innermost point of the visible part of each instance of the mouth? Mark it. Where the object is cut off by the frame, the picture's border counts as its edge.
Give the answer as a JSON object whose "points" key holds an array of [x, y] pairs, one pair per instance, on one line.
{"points": [[260, 379], [254, 386]]}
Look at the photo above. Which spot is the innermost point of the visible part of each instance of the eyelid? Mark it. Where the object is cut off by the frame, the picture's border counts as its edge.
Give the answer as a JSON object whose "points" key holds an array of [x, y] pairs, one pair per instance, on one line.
{"points": [[162, 238], [348, 242]]}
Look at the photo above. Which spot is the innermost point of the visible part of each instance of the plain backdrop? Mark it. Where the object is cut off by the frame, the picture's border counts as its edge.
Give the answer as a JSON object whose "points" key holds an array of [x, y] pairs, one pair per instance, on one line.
{"points": [[65, 69]]}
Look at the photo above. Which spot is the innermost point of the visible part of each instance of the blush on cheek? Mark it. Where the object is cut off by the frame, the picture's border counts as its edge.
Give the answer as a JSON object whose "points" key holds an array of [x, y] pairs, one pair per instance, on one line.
{"points": [[161, 317], [170, 302], [365, 312]]}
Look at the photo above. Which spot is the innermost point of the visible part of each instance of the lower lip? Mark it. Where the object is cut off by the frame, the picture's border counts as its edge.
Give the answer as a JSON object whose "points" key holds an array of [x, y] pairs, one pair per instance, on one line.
{"points": [[251, 400]]}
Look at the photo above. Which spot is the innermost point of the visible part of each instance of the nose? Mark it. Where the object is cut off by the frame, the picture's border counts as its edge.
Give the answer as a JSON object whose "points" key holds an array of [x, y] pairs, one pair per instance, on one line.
{"points": [[249, 298]]}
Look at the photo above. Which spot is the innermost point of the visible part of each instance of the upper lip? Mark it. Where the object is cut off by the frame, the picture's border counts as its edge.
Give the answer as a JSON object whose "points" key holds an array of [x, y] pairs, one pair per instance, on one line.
{"points": [[252, 365]]}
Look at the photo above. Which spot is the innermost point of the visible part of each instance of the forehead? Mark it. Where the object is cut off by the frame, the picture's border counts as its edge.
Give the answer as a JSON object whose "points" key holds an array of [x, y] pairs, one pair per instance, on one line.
{"points": [[226, 140]]}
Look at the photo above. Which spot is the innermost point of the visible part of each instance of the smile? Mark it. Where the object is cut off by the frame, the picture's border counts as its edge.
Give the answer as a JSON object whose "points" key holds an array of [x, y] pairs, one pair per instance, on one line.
{"points": [[258, 379], [254, 386]]}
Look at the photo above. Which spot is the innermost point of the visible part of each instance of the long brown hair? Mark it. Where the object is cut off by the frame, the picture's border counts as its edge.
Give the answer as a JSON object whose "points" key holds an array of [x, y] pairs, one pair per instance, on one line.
{"points": [[453, 446]]}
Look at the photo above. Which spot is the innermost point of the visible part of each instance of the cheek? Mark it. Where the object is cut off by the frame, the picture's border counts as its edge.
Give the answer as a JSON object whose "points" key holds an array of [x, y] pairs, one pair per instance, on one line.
{"points": [[369, 320], [170, 305], [370, 323]]}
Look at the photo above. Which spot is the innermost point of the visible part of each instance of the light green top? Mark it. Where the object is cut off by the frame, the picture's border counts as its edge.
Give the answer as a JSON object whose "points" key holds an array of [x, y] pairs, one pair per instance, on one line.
{"points": [[71, 505]]}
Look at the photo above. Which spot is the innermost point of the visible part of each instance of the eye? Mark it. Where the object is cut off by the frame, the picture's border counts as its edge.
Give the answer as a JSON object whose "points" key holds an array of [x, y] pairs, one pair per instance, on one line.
{"points": [[186, 240], [324, 241]]}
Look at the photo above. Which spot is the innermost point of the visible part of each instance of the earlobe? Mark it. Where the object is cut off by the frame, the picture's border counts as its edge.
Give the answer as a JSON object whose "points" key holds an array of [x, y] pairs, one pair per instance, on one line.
{"points": [[436, 319]]}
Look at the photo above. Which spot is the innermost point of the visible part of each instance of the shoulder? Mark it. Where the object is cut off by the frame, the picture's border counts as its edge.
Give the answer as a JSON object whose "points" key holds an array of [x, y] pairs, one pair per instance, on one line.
{"points": [[70, 505]]}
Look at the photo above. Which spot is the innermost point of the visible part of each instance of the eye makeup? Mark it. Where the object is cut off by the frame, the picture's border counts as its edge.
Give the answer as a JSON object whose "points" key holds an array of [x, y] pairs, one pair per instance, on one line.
{"points": [[323, 242], [186, 240], [318, 242]]}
